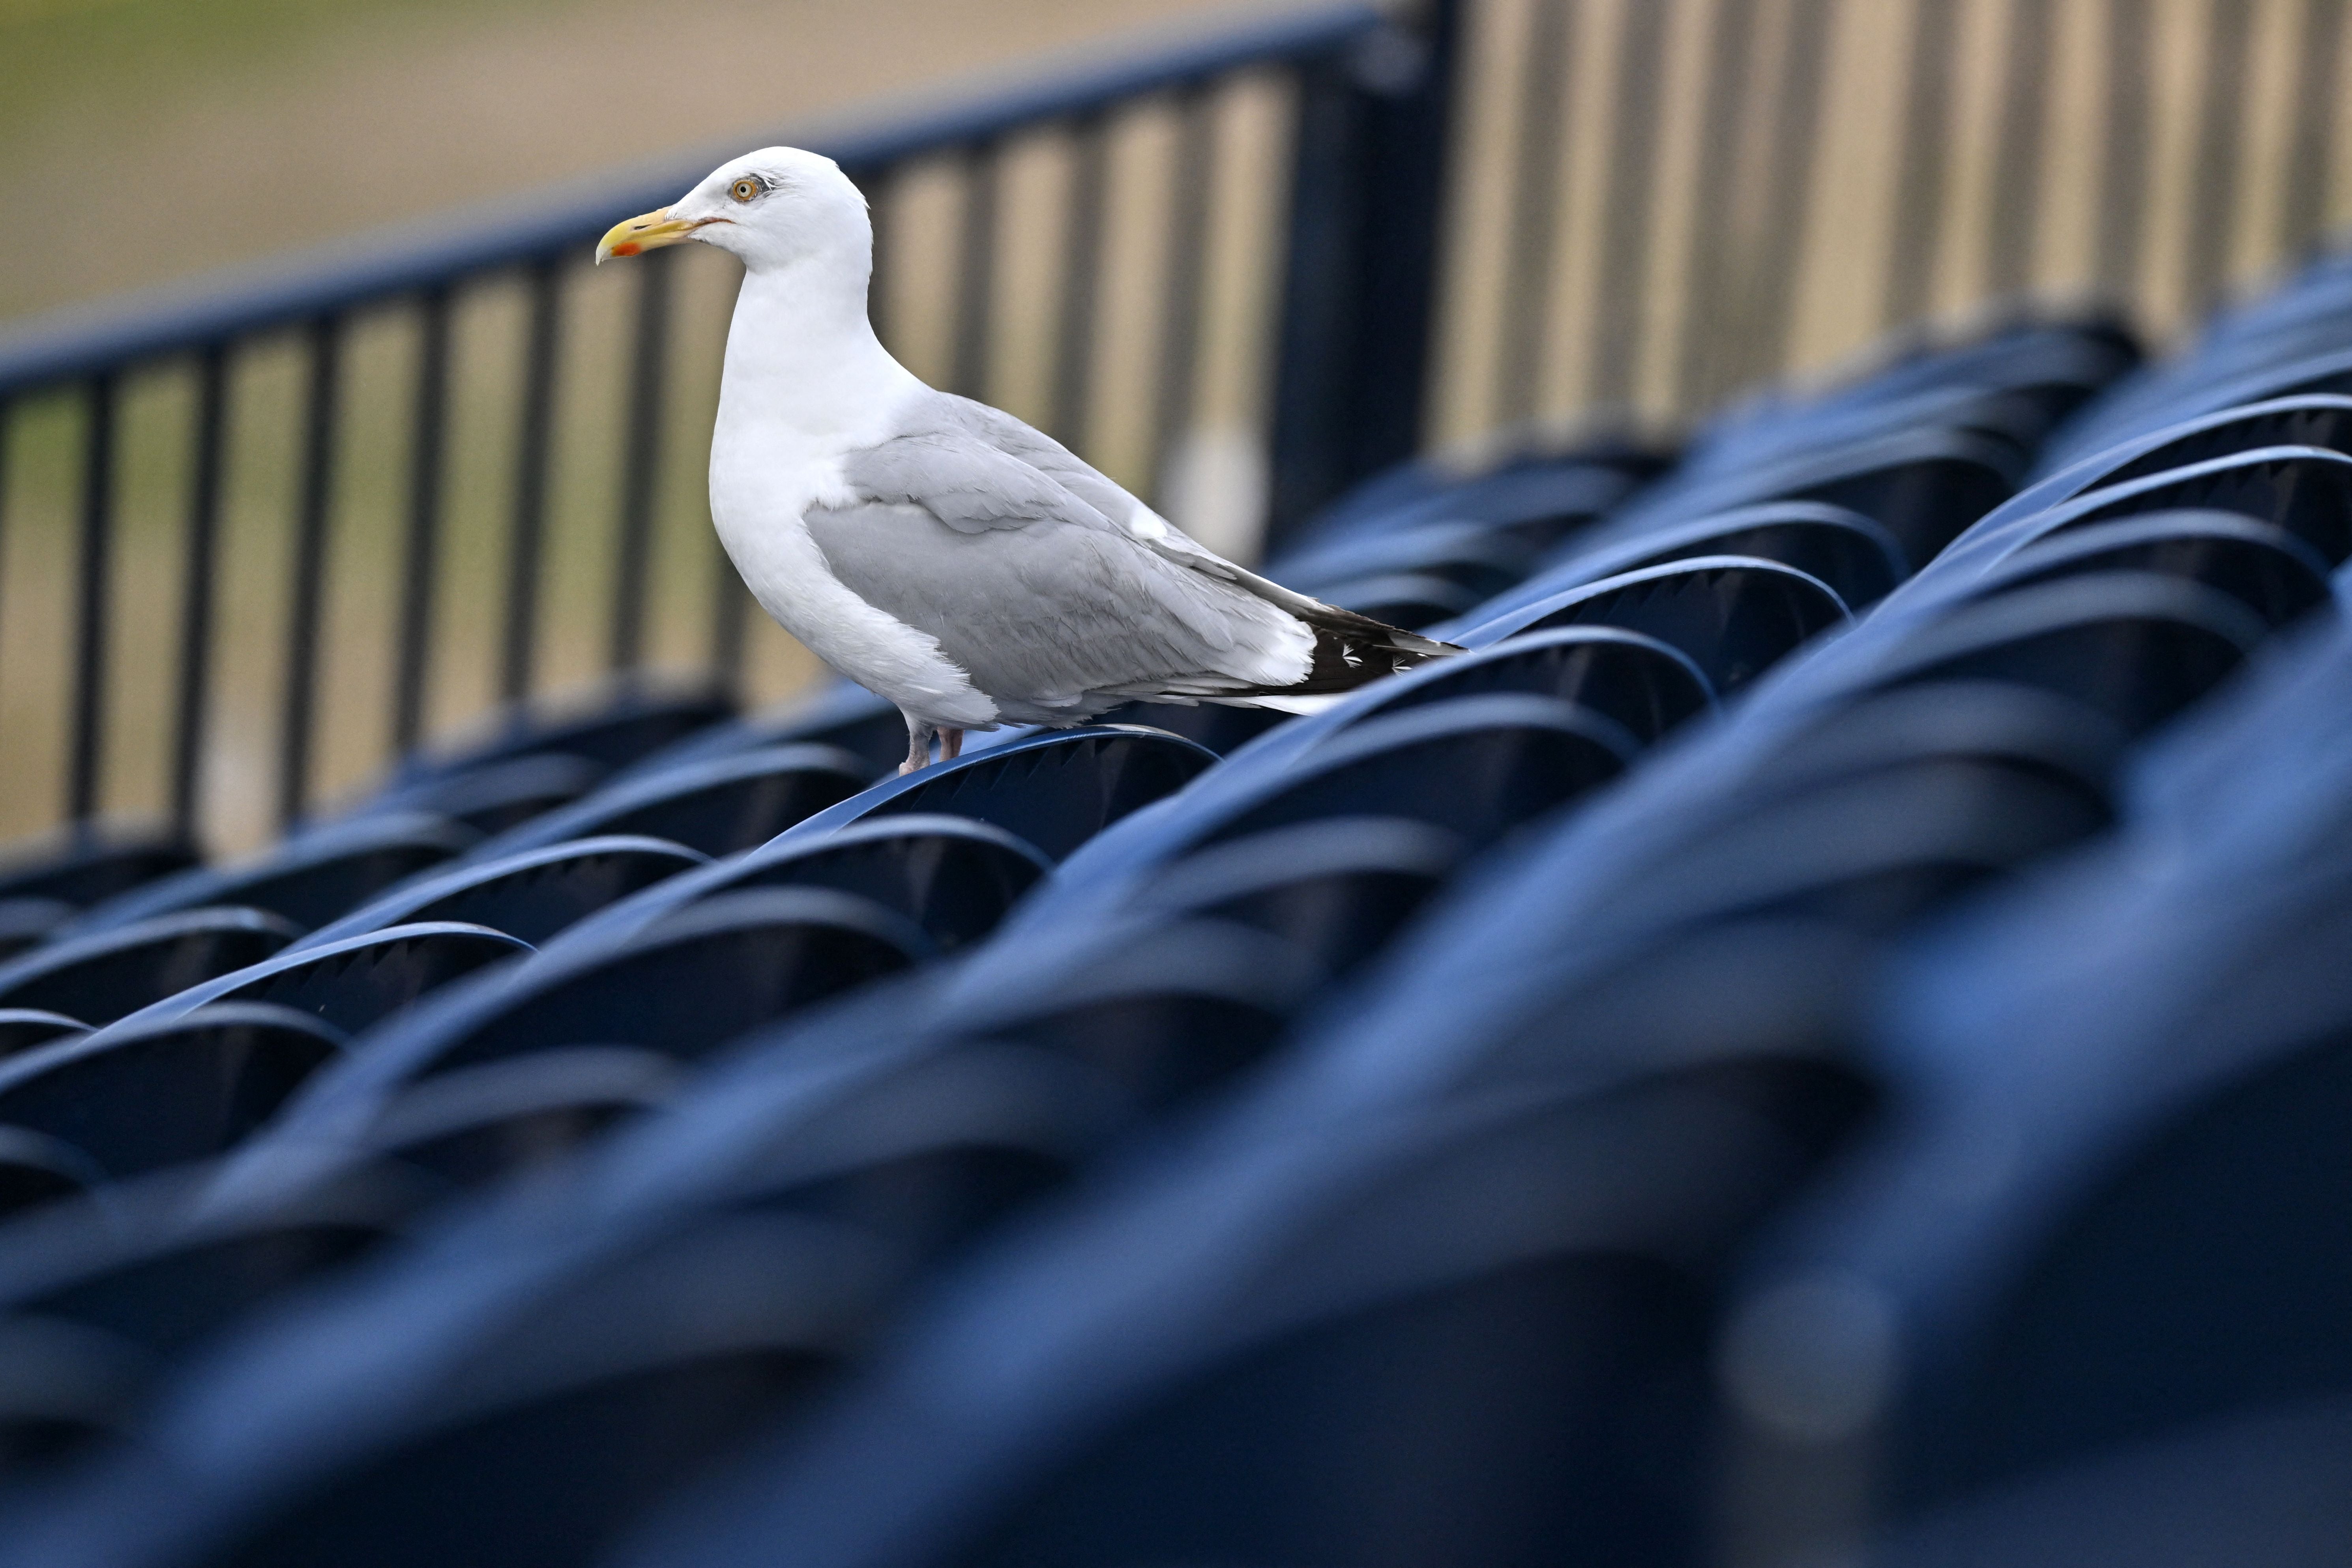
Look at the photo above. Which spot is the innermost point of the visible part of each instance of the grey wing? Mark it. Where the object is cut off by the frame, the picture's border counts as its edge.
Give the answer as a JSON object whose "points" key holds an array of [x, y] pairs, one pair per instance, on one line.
{"points": [[1057, 617], [1041, 454]]}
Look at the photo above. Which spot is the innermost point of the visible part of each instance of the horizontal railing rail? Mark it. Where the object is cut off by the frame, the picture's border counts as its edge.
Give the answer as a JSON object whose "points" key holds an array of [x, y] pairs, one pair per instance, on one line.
{"points": [[372, 267], [1337, 400]]}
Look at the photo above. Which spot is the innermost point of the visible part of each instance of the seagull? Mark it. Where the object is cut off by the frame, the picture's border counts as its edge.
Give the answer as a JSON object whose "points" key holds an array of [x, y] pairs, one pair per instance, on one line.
{"points": [[966, 568]]}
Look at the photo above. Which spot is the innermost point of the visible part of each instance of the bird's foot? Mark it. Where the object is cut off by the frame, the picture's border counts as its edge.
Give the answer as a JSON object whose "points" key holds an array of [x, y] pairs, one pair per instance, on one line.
{"points": [[950, 745], [919, 751]]}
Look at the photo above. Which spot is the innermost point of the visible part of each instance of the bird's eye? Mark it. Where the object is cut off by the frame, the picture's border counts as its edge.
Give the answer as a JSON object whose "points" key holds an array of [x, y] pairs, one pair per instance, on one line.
{"points": [[743, 190]]}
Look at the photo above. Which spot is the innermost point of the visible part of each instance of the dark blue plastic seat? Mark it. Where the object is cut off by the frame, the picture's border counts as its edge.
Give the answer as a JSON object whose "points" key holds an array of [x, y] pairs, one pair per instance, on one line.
{"points": [[2322, 420], [36, 1170], [111, 973], [1541, 498], [1483, 560], [1220, 729], [26, 922], [139, 1098], [85, 869], [683, 986], [2305, 490], [353, 983], [1924, 487], [839, 713], [1735, 616], [1645, 685], [1414, 600], [21, 1028], [308, 880], [146, 1265], [1477, 766], [611, 735], [531, 894], [548, 1442], [2266, 1486], [1173, 1010], [472, 1126], [1336, 889], [1054, 790], [713, 807], [1854, 555], [954, 876], [2137, 647], [1477, 1335], [495, 796], [2263, 567]]}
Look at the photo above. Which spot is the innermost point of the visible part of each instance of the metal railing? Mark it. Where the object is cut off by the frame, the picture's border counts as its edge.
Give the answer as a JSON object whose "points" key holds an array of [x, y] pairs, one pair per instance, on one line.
{"points": [[1364, 97], [1458, 222]]}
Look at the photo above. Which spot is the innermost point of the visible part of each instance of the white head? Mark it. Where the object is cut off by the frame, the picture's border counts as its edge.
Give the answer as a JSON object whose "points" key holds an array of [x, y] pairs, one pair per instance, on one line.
{"points": [[777, 208]]}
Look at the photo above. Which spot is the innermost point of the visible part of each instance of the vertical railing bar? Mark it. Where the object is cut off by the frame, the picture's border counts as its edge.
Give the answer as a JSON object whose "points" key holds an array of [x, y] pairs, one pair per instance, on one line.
{"points": [[1525, 319], [1919, 175], [2123, 178], [2013, 225], [2213, 195], [93, 567], [421, 548], [976, 270], [878, 188], [7, 424], [325, 347], [195, 675], [526, 539], [1187, 218], [1788, 184], [2302, 206], [1074, 348], [1626, 223], [640, 463], [731, 604], [1713, 193]]}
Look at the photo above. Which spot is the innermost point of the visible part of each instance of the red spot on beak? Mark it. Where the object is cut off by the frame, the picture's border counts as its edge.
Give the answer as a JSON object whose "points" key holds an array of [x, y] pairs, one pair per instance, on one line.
{"points": [[628, 247]]}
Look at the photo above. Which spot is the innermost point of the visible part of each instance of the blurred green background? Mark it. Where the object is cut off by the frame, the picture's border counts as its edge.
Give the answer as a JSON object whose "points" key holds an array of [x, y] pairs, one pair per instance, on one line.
{"points": [[143, 140]]}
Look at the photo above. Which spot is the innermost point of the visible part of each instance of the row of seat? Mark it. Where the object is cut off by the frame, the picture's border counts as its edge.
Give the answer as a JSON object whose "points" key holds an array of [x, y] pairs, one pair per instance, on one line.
{"points": [[1428, 1130]]}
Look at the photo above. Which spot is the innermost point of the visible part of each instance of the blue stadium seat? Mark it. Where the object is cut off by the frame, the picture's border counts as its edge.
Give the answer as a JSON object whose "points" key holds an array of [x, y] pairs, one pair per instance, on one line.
{"points": [[473, 1126], [495, 796], [611, 735], [954, 876], [149, 1268], [1854, 556], [713, 807], [26, 922], [1054, 790], [2137, 647], [89, 869], [353, 983], [21, 1028], [139, 1098], [531, 894], [747, 957], [113, 972], [837, 713], [1644, 685], [1337, 890], [1735, 616], [310, 879], [1477, 766], [36, 1170], [2266, 568]]}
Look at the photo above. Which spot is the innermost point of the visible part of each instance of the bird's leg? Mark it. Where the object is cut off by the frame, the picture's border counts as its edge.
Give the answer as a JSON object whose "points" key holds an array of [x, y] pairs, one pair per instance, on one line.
{"points": [[950, 745], [918, 748]]}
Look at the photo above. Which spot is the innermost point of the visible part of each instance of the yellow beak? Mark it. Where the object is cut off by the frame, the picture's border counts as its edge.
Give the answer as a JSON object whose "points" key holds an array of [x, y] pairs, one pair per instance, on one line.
{"points": [[648, 231]]}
